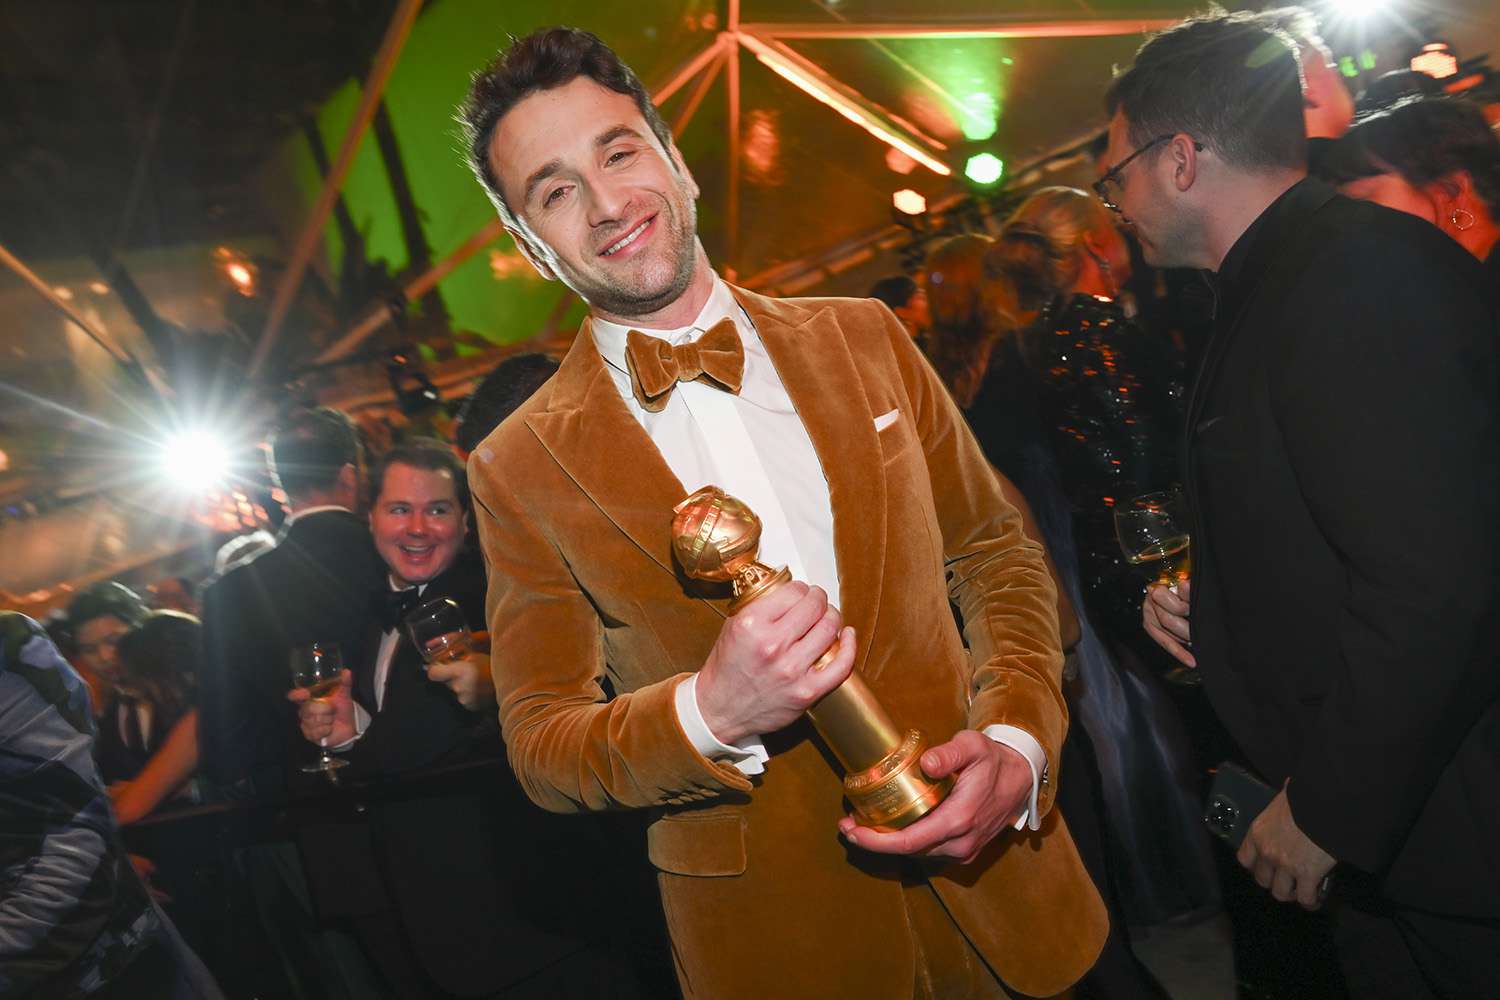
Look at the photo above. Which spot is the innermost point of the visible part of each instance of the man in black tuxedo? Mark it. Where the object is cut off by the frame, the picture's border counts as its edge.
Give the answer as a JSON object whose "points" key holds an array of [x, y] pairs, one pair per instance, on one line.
{"points": [[1342, 469], [455, 883], [312, 586]]}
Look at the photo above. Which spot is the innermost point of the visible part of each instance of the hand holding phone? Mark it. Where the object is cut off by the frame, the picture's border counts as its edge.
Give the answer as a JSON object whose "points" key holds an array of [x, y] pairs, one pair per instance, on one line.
{"points": [[1234, 800]]}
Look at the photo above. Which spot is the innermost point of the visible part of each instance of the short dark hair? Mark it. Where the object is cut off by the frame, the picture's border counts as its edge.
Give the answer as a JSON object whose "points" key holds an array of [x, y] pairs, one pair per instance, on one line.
{"points": [[1230, 81], [895, 291], [543, 60], [102, 599], [511, 383], [310, 447], [1397, 85], [1424, 139], [159, 657], [422, 453]]}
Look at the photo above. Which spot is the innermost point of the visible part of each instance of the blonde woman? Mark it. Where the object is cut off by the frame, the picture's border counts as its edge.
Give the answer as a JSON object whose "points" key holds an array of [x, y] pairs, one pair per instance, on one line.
{"points": [[1107, 393], [1081, 407]]}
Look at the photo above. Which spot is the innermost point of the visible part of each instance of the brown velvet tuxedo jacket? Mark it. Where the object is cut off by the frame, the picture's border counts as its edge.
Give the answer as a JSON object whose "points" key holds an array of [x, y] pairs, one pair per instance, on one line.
{"points": [[763, 897]]}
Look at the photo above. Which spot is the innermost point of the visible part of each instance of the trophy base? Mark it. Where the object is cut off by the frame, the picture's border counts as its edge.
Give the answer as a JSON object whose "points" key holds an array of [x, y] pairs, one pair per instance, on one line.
{"points": [[895, 792]]}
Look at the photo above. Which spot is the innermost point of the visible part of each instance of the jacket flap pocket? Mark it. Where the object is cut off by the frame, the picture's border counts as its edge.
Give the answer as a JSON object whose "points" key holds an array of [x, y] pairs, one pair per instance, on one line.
{"points": [[703, 844]]}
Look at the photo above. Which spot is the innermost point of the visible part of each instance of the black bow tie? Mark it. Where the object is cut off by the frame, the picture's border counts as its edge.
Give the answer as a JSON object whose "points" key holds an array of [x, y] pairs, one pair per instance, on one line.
{"points": [[392, 606]]}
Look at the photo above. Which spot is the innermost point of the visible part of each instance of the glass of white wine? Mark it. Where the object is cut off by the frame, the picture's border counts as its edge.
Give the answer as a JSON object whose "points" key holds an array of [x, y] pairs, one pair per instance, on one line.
{"points": [[439, 631], [318, 668], [1152, 528]]}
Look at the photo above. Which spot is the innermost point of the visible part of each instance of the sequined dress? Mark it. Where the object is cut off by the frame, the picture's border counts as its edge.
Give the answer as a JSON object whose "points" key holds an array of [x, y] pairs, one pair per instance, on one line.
{"points": [[1078, 412], [1105, 398]]}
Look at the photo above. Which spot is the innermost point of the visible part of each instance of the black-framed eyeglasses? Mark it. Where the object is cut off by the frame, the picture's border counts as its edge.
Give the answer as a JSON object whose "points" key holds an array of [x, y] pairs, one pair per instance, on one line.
{"points": [[1112, 175]]}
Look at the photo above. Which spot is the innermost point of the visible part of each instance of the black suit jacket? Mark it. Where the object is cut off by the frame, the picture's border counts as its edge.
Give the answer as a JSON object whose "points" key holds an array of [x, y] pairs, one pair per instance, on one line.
{"points": [[313, 586], [487, 888], [1343, 460]]}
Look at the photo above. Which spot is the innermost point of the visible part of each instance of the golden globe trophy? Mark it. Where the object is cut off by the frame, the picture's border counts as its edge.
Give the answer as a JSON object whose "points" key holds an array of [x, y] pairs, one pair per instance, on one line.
{"points": [[716, 537]]}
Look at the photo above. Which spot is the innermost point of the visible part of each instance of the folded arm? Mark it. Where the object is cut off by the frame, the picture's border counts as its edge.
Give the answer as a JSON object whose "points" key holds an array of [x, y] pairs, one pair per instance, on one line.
{"points": [[998, 578], [996, 574]]}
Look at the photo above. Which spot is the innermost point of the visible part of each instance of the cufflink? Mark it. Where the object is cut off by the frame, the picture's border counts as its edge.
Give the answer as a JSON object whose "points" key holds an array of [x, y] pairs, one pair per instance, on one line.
{"points": [[1046, 775]]}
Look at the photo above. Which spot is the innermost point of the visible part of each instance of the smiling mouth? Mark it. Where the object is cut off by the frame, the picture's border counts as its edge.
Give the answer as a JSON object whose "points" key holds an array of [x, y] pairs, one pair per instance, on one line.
{"points": [[627, 239], [416, 551]]}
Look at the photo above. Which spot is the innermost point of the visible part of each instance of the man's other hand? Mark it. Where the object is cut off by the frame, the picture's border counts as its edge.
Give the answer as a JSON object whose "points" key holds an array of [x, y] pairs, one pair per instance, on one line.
{"points": [[1165, 615], [469, 679], [992, 785], [758, 678], [328, 722], [1282, 858]]}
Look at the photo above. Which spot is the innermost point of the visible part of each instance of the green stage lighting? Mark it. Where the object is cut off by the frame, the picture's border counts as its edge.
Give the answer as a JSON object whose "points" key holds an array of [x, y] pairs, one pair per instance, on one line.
{"points": [[984, 168]]}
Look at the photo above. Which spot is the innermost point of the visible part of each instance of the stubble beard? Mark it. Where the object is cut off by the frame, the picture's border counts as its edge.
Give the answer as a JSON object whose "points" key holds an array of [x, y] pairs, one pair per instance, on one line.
{"points": [[1169, 244], [616, 297]]}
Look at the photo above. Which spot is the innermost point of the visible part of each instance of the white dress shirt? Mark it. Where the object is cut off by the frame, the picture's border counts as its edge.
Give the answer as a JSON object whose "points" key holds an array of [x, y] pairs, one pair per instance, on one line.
{"points": [[754, 446], [385, 654], [135, 714]]}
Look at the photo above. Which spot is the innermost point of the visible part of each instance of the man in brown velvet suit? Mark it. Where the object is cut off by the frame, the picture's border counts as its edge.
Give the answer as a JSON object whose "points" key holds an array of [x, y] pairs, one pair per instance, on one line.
{"points": [[822, 416]]}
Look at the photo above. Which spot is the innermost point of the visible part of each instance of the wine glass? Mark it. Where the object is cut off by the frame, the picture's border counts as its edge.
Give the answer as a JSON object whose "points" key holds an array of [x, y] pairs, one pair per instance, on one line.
{"points": [[1152, 528], [318, 669], [439, 631]]}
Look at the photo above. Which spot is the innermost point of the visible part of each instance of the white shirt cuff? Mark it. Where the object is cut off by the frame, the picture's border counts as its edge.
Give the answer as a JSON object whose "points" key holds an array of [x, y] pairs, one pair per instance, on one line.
{"points": [[1026, 745], [361, 723], [748, 758]]}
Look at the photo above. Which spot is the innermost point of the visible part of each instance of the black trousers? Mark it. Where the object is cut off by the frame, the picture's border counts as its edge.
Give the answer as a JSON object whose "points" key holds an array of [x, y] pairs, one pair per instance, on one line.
{"points": [[1390, 952]]}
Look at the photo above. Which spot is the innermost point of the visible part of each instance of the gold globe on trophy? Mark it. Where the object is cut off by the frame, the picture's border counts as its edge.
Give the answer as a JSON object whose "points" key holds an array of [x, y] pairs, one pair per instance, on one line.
{"points": [[716, 538]]}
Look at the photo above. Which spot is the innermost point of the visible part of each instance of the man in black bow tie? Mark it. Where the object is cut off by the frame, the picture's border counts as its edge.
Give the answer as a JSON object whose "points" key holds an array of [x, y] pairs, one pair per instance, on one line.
{"points": [[448, 877], [418, 519]]}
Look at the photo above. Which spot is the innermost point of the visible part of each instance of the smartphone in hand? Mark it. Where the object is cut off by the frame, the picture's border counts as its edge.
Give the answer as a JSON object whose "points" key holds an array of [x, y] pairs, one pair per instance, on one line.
{"points": [[1234, 800]]}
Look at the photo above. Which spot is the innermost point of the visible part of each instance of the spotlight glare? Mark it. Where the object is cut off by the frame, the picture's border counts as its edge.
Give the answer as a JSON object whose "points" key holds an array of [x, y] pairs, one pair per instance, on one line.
{"points": [[909, 202], [984, 168], [1357, 10], [1436, 61], [194, 460]]}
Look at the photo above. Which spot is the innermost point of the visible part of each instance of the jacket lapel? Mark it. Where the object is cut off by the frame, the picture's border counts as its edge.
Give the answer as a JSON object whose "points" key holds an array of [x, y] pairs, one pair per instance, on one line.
{"points": [[607, 453], [812, 358], [364, 670]]}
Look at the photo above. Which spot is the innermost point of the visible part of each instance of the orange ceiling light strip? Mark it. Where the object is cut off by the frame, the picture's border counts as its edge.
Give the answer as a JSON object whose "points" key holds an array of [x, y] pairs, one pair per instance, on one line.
{"points": [[1002, 28], [807, 79]]}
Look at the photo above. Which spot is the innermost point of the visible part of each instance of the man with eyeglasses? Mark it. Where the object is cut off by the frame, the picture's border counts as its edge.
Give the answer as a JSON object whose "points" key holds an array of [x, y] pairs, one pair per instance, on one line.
{"points": [[1342, 467]]}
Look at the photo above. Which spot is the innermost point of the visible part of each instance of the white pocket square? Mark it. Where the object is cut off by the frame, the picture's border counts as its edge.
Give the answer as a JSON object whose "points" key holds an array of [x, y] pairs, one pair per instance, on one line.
{"points": [[886, 419]]}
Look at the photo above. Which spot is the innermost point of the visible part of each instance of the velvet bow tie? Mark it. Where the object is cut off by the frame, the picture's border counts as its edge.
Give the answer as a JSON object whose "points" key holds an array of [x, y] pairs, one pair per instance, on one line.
{"points": [[392, 606], [656, 366]]}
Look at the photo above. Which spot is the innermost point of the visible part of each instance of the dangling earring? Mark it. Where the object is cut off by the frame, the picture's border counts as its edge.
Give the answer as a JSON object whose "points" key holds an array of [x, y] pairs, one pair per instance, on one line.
{"points": [[1468, 217], [1105, 271]]}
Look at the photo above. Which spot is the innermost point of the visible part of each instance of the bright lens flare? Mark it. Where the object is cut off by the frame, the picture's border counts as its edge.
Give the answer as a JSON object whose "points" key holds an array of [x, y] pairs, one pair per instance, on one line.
{"points": [[194, 460], [908, 201], [1357, 9], [984, 168]]}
